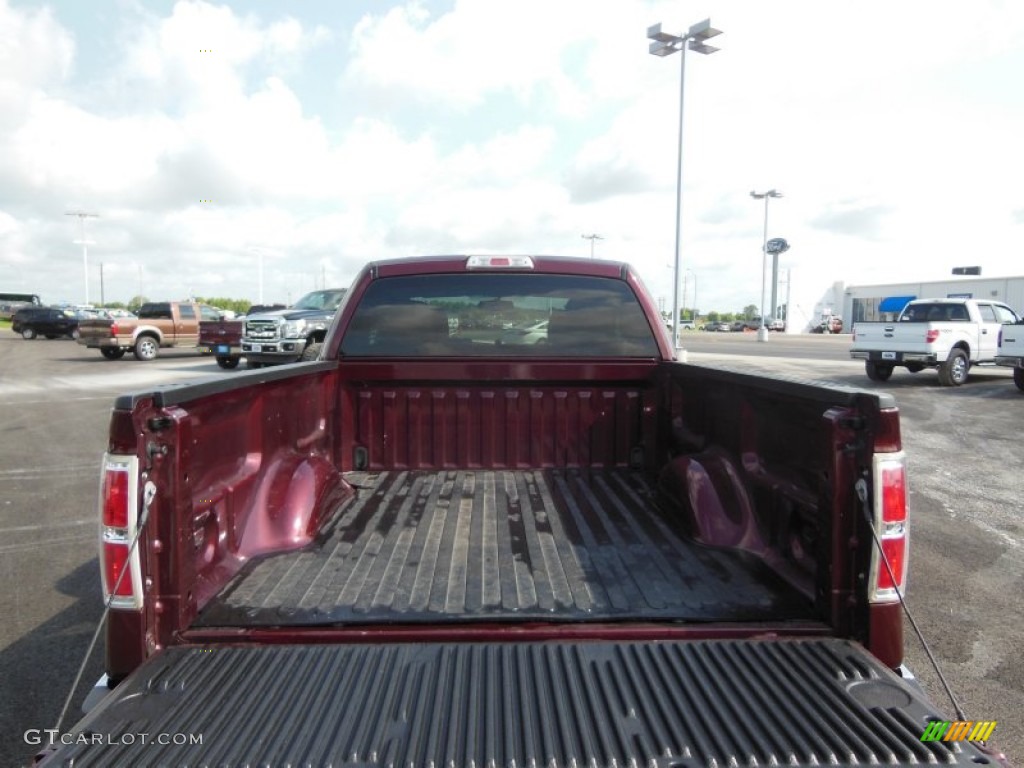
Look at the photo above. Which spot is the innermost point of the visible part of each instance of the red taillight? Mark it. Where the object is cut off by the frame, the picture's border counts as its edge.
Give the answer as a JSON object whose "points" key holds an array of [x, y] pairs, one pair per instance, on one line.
{"points": [[115, 497], [120, 567], [115, 560], [931, 335], [895, 552], [894, 494], [890, 574], [113, 329]]}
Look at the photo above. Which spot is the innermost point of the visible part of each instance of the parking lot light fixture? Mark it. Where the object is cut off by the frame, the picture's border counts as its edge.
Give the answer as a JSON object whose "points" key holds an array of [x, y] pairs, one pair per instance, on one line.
{"points": [[762, 331], [84, 242], [665, 44]]}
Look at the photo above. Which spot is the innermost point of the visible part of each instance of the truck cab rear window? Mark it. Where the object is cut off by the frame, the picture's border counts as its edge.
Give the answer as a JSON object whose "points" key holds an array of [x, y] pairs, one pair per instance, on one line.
{"points": [[505, 315], [935, 313]]}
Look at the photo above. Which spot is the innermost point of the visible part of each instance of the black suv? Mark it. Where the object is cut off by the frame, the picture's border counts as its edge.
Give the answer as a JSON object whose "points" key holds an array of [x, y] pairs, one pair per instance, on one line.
{"points": [[45, 321]]}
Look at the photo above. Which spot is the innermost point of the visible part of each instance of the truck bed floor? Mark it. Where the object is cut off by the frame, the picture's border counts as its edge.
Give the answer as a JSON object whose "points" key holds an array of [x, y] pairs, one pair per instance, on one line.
{"points": [[441, 546]]}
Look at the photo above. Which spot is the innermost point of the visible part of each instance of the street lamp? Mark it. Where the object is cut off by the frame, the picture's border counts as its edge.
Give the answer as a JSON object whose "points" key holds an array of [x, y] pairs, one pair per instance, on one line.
{"points": [[82, 216], [762, 332], [259, 253], [665, 44], [592, 238]]}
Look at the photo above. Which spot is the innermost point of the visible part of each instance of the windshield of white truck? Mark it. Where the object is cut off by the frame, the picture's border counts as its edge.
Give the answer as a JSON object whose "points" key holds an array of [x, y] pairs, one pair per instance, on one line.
{"points": [[480, 315]]}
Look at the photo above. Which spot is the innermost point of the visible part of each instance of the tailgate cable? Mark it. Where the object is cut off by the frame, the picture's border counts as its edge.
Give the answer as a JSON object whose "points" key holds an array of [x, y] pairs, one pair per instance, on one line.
{"points": [[862, 494], [148, 495]]}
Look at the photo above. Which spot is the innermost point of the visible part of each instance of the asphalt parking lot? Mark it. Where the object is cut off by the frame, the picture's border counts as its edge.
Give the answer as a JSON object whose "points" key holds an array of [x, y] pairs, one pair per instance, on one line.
{"points": [[966, 466]]}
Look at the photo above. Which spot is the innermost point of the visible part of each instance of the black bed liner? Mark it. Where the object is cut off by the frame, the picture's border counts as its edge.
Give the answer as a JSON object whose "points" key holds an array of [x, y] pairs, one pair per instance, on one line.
{"points": [[715, 703], [429, 546]]}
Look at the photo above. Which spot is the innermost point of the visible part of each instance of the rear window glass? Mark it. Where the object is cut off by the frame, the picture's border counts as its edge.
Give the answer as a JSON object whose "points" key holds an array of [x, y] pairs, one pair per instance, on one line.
{"points": [[154, 311], [481, 315], [933, 313]]}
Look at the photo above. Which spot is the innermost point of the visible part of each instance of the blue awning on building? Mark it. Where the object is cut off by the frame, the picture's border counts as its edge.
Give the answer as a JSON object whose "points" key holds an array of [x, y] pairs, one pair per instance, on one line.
{"points": [[895, 303]]}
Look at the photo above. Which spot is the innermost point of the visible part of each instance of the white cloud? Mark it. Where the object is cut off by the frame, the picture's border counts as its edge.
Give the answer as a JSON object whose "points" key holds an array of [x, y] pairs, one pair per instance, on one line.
{"points": [[476, 50], [511, 126], [36, 53]]}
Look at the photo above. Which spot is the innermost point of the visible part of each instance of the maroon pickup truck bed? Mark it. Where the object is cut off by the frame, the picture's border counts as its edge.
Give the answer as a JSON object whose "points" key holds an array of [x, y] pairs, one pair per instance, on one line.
{"points": [[431, 546]]}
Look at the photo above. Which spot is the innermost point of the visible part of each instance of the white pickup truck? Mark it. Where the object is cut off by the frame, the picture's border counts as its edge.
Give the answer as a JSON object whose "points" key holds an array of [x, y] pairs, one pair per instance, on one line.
{"points": [[1011, 351], [948, 334]]}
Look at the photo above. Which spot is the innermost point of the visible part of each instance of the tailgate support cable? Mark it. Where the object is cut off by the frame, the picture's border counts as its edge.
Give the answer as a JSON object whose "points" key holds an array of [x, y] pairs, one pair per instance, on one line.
{"points": [[148, 495], [862, 494]]}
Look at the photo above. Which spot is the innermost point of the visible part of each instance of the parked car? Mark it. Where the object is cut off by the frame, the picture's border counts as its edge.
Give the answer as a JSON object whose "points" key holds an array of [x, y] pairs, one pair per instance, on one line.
{"points": [[159, 324], [719, 326], [50, 322], [949, 335], [535, 333], [223, 339], [746, 325], [289, 335], [1011, 351]]}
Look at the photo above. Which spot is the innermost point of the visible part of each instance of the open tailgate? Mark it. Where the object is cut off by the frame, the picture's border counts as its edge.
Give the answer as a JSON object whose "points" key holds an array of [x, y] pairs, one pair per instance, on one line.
{"points": [[669, 703]]}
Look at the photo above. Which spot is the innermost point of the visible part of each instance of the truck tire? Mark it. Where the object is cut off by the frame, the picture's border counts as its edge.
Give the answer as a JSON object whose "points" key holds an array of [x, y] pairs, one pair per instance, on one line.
{"points": [[227, 363], [146, 348], [1018, 378], [877, 371], [112, 353], [311, 352], [953, 372], [28, 334]]}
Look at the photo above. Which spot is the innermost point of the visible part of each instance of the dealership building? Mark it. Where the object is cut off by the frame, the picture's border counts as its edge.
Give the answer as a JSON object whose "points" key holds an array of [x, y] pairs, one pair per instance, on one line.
{"points": [[856, 303]]}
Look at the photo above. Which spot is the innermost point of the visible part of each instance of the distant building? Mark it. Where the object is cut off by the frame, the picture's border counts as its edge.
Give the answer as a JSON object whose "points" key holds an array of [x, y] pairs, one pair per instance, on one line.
{"points": [[884, 302]]}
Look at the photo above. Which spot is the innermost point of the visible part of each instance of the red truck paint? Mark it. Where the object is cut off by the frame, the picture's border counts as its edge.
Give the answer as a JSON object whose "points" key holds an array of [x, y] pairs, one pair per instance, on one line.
{"points": [[612, 460]]}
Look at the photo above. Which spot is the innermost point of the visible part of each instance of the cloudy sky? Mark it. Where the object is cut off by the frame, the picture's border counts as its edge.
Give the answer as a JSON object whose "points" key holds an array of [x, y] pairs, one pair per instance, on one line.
{"points": [[315, 136]]}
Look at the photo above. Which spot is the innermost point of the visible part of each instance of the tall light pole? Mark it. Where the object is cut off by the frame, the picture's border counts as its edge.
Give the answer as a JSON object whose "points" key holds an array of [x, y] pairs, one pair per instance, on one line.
{"points": [[592, 238], [259, 254], [693, 307], [762, 332], [664, 44], [82, 216]]}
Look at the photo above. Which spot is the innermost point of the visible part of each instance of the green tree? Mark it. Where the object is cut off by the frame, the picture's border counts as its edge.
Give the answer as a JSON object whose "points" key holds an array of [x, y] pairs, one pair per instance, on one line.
{"points": [[238, 306], [713, 317], [135, 302], [749, 312]]}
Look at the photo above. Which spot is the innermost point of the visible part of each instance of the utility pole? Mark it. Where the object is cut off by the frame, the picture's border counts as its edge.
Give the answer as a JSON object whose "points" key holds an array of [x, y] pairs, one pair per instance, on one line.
{"points": [[103, 301], [592, 238]]}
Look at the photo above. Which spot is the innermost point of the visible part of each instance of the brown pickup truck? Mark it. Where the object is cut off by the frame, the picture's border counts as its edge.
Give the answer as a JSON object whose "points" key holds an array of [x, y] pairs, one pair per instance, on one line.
{"points": [[159, 324]]}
